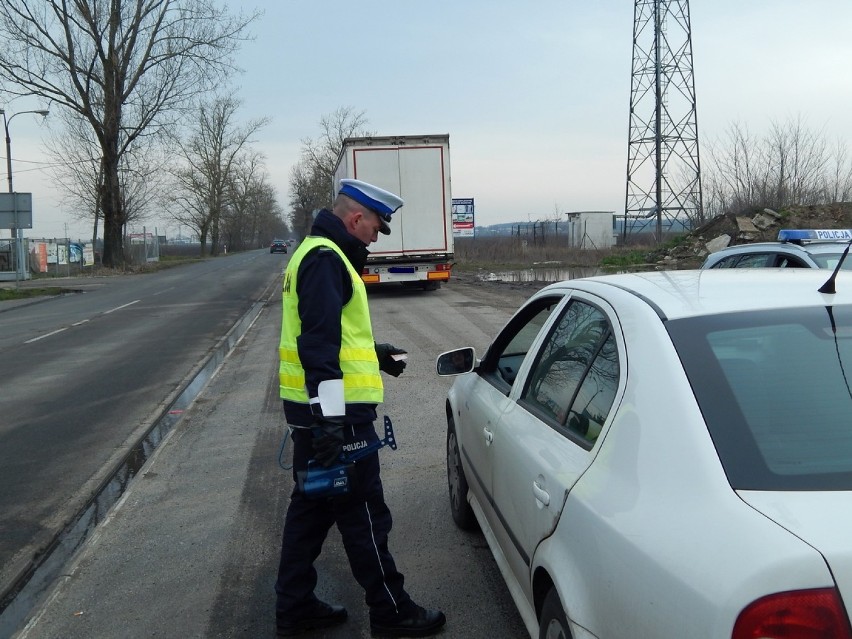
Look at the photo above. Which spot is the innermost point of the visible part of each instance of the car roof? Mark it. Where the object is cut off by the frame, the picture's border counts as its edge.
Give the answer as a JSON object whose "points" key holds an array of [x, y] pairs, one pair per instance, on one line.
{"points": [[801, 251], [691, 293], [825, 247], [758, 247]]}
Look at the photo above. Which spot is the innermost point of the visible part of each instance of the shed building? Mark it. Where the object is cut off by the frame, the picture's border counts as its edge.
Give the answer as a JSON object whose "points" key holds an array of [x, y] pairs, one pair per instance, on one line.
{"points": [[590, 229]]}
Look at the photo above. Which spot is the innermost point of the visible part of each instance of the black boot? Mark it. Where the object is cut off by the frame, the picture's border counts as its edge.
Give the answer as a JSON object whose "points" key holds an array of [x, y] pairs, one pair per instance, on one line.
{"points": [[321, 615], [420, 623]]}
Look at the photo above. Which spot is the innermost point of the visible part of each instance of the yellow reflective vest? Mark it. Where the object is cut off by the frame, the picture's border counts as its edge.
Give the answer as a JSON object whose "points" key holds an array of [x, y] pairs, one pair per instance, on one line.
{"points": [[362, 382]]}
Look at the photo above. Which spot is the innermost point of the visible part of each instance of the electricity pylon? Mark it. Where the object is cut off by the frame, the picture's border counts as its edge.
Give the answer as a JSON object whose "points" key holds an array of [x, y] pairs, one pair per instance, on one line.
{"points": [[663, 167]]}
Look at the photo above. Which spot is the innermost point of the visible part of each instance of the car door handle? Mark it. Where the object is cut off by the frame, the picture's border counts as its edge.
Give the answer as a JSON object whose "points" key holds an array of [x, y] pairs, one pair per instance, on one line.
{"points": [[541, 494], [489, 436]]}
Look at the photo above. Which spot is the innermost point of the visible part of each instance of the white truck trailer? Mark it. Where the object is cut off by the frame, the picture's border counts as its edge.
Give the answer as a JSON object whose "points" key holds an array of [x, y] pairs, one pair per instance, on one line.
{"points": [[419, 250]]}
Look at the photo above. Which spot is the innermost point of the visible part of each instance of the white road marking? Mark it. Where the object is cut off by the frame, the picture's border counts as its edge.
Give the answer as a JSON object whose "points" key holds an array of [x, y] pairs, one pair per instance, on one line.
{"points": [[118, 308], [35, 339]]}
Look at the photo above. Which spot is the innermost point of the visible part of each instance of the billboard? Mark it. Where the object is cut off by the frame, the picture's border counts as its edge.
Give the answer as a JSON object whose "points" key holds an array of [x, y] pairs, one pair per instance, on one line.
{"points": [[463, 217]]}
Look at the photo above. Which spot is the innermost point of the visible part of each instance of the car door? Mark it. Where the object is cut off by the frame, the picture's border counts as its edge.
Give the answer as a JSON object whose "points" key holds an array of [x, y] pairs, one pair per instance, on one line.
{"points": [[545, 440], [488, 396]]}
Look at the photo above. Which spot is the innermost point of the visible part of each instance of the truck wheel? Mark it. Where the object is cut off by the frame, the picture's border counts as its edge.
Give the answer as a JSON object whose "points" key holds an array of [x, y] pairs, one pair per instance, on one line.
{"points": [[457, 482], [431, 286], [553, 624]]}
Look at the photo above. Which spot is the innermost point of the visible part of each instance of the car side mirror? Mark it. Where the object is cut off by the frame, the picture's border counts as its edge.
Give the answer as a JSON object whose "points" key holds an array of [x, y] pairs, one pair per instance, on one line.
{"points": [[457, 362]]}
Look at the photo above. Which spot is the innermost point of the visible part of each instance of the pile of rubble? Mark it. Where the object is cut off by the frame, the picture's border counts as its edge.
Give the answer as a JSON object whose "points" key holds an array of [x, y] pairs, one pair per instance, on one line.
{"points": [[762, 226]]}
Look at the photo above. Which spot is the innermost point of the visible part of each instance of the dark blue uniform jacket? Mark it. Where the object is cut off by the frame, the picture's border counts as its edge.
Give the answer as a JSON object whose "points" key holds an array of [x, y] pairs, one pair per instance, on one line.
{"points": [[324, 287]]}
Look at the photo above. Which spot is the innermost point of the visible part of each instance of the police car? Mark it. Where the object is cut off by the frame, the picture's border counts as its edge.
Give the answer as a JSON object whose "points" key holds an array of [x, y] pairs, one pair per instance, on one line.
{"points": [[665, 455], [802, 248]]}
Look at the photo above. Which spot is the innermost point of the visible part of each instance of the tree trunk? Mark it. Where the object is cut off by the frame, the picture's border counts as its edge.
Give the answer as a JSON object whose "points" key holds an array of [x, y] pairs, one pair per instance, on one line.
{"points": [[111, 200], [214, 233], [113, 215], [203, 238]]}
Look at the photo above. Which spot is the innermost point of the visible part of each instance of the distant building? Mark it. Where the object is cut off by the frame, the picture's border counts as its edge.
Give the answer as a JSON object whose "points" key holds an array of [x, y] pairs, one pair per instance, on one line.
{"points": [[591, 229]]}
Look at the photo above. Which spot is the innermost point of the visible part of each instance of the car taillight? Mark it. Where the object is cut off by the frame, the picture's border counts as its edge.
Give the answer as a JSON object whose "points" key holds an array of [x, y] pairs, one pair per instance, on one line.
{"points": [[798, 614]]}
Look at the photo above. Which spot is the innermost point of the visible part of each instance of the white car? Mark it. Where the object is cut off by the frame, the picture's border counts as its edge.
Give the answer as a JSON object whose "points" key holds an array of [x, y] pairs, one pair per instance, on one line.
{"points": [[797, 248], [665, 455]]}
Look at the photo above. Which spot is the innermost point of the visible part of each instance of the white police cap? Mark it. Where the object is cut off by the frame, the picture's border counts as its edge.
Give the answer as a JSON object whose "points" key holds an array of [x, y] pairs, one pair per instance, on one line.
{"points": [[383, 203]]}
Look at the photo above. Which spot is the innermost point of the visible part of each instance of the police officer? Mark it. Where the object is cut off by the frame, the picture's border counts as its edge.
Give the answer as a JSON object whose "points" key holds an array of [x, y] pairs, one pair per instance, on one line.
{"points": [[330, 383]]}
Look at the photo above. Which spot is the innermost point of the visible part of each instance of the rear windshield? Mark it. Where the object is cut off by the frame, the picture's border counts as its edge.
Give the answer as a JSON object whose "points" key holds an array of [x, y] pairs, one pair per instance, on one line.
{"points": [[775, 388]]}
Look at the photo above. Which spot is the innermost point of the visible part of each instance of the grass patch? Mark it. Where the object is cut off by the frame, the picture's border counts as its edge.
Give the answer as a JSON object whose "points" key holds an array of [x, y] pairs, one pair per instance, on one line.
{"points": [[26, 293], [174, 260], [625, 259]]}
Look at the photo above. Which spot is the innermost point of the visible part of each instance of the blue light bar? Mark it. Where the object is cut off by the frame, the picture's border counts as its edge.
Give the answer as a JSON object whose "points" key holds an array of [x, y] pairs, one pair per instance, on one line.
{"points": [[790, 235]]}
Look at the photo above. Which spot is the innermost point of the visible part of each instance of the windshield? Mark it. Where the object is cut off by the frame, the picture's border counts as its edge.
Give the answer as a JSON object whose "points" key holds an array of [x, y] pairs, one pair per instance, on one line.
{"points": [[774, 389], [830, 260]]}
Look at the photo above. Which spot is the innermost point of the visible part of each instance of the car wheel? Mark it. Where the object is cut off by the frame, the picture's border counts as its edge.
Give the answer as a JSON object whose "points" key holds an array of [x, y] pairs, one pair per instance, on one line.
{"points": [[553, 624], [457, 482]]}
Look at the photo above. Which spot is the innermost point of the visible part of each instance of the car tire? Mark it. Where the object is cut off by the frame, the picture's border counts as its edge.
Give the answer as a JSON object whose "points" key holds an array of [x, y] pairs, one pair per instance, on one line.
{"points": [[553, 624], [457, 482]]}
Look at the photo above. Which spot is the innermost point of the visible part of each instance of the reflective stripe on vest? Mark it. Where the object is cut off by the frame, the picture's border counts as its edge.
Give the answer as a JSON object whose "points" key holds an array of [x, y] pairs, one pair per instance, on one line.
{"points": [[362, 382]]}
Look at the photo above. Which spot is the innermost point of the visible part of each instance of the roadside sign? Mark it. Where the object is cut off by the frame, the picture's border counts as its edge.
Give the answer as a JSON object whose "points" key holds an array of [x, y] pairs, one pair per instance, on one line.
{"points": [[16, 210], [463, 217]]}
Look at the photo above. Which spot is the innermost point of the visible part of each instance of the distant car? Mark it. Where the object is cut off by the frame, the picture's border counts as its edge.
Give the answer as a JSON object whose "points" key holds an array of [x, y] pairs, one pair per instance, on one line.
{"points": [[795, 249], [664, 455], [278, 246]]}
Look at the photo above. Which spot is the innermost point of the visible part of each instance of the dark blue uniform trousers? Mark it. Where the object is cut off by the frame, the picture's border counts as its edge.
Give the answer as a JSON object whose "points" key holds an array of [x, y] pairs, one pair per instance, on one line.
{"points": [[364, 521]]}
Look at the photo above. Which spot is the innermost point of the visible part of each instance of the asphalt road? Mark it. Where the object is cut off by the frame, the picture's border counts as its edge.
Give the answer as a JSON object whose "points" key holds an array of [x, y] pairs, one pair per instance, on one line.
{"points": [[191, 549], [85, 375]]}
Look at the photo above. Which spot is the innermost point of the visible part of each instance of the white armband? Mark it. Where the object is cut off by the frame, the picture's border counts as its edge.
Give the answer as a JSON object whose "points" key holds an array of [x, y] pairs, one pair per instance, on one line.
{"points": [[330, 398]]}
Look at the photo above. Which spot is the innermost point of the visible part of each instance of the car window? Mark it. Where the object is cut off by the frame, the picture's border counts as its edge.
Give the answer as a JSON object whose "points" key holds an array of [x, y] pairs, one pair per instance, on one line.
{"points": [[755, 260], [830, 260], [727, 262], [504, 357], [788, 261], [775, 389], [575, 376]]}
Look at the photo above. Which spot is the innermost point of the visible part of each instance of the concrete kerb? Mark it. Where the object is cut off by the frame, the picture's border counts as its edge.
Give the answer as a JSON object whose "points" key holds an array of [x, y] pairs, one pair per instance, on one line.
{"points": [[28, 588]]}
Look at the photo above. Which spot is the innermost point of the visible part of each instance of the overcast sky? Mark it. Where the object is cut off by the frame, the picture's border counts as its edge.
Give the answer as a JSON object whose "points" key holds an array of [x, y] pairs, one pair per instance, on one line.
{"points": [[534, 95]]}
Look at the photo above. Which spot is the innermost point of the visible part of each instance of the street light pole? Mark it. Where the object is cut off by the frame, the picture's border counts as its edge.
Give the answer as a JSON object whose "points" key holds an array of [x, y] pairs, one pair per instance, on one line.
{"points": [[16, 232], [8, 150]]}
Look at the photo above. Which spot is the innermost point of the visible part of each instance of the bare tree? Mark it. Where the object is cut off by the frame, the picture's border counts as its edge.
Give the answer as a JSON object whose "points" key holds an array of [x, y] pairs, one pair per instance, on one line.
{"points": [[838, 186], [209, 157], [78, 170], [309, 191], [126, 67], [253, 217], [789, 166], [311, 178], [796, 159], [321, 154]]}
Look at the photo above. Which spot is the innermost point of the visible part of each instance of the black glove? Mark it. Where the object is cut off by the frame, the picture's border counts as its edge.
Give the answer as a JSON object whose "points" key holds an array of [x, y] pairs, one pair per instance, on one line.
{"points": [[327, 441], [387, 363]]}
